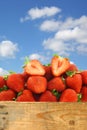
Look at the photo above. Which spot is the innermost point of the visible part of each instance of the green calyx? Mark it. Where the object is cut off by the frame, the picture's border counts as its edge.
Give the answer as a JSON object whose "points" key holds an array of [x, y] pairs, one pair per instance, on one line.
{"points": [[79, 97], [70, 73], [56, 93], [4, 88], [26, 61]]}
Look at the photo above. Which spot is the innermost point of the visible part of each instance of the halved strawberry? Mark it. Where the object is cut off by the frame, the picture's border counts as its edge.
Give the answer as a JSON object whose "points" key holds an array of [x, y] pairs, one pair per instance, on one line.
{"points": [[59, 65], [34, 67], [37, 84]]}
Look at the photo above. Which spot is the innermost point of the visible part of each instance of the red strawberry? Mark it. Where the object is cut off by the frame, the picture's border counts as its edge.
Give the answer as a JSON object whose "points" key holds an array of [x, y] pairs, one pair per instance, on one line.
{"points": [[68, 95], [84, 94], [34, 67], [15, 82], [37, 84], [74, 82], [26, 96], [25, 76], [59, 65], [48, 73], [47, 96], [7, 95], [2, 82], [72, 67], [56, 83], [84, 77]]}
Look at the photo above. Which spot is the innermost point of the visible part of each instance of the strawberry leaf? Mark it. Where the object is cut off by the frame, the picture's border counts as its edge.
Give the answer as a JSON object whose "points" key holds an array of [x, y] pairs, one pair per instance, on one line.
{"points": [[26, 60], [20, 93], [79, 97], [70, 73], [56, 93]]}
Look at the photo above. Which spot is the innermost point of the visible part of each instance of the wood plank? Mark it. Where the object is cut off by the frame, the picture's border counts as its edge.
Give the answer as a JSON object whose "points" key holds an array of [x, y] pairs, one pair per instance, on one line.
{"points": [[43, 116]]}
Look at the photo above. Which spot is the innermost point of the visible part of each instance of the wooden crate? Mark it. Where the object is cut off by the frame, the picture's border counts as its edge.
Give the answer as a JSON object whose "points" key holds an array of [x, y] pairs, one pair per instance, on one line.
{"points": [[43, 116]]}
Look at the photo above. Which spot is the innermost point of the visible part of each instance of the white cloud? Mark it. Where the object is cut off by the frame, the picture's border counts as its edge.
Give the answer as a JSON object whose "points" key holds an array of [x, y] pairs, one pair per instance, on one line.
{"points": [[35, 13], [3, 72], [8, 49], [50, 25], [39, 57], [70, 36]]}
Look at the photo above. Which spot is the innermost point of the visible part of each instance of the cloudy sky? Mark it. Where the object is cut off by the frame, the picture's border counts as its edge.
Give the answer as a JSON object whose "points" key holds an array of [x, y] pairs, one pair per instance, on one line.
{"points": [[40, 28]]}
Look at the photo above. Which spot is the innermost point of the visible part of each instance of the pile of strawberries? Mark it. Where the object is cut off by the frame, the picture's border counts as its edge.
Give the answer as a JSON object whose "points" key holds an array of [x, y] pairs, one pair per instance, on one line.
{"points": [[60, 81]]}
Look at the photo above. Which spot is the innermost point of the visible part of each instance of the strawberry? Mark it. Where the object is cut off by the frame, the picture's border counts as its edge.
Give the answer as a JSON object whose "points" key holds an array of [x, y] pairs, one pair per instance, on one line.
{"points": [[37, 84], [2, 82], [7, 95], [15, 82], [74, 82], [72, 67], [56, 83], [59, 65], [25, 76], [68, 95], [34, 67], [84, 94], [47, 96], [25, 96], [84, 77], [48, 72]]}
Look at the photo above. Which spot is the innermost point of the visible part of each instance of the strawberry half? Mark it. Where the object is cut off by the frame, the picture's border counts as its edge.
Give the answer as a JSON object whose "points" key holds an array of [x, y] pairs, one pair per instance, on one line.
{"points": [[68, 95], [34, 67], [37, 84], [59, 65]]}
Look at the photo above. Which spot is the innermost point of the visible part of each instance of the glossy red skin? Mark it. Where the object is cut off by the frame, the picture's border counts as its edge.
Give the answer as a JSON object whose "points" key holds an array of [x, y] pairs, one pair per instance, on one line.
{"points": [[74, 82], [48, 73], [37, 84], [16, 82], [84, 77], [7, 95], [2, 82], [56, 83], [72, 67], [47, 96], [84, 94], [68, 95], [26, 96]]}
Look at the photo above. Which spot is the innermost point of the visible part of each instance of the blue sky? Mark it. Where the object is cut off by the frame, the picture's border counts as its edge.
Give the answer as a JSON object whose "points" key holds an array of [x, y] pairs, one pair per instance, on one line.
{"points": [[40, 28]]}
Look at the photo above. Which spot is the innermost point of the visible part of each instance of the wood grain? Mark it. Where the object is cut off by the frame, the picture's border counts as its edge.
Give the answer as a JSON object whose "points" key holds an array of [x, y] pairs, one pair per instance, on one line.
{"points": [[43, 116]]}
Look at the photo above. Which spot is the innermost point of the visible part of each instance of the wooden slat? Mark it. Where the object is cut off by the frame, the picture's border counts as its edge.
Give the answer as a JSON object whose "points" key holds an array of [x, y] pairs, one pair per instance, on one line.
{"points": [[43, 116]]}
